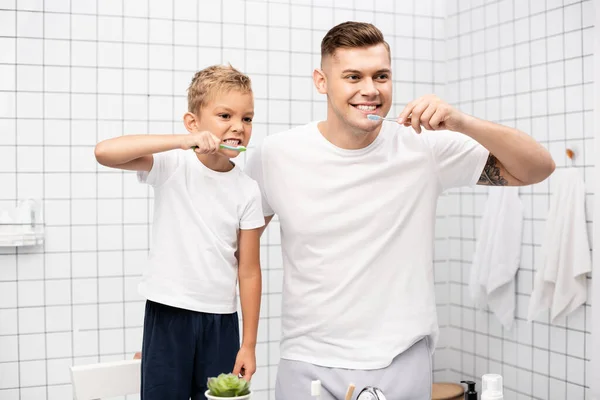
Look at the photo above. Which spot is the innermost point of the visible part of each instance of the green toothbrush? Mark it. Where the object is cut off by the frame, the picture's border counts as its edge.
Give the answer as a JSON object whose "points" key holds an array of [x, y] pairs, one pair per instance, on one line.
{"points": [[235, 148]]}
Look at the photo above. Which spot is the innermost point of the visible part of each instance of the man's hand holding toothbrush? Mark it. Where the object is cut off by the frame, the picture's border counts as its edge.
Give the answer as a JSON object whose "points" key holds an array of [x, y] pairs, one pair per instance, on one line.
{"points": [[432, 113]]}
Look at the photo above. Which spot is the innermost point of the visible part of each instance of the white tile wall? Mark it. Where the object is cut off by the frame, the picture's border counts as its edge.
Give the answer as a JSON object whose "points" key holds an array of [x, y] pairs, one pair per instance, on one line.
{"points": [[73, 73], [526, 64]]}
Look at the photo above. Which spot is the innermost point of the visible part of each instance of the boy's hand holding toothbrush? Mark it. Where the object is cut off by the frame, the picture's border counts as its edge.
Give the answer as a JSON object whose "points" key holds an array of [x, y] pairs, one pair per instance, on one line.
{"points": [[430, 112], [206, 142], [202, 142]]}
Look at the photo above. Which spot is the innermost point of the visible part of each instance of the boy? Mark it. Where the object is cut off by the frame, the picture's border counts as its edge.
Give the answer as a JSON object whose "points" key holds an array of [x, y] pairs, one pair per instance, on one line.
{"points": [[205, 237]]}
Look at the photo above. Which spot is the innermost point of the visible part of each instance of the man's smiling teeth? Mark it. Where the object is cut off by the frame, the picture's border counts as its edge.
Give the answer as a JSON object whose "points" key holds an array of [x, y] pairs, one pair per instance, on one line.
{"points": [[232, 142], [366, 108]]}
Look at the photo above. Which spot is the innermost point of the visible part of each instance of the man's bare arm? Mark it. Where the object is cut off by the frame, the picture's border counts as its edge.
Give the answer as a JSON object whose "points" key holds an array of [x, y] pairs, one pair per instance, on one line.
{"points": [[494, 174], [516, 158]]}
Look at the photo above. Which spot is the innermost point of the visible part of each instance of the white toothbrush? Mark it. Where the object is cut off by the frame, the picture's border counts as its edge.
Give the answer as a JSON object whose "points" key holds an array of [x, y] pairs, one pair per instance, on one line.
{"points": [[375, 117], [315, 389]]}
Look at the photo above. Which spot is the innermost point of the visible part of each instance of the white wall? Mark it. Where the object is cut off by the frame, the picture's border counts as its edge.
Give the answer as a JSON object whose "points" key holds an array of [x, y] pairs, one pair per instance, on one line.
{"points": [[526, 64], [73, 73], [595, 353]]}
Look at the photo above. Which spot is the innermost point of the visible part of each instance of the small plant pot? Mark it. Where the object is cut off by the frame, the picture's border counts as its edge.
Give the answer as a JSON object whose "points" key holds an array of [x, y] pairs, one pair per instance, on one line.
{"points": [[211, 397]]}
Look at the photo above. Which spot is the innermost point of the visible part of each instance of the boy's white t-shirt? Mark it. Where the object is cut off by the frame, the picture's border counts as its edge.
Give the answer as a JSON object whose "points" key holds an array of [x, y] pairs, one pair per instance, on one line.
{"points": [[198, 214], [357, 235]]}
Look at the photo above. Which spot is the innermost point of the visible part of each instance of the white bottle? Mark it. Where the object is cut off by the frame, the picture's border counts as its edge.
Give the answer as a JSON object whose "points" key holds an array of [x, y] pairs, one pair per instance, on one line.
{"points": [[491, 387], [315, 389]]}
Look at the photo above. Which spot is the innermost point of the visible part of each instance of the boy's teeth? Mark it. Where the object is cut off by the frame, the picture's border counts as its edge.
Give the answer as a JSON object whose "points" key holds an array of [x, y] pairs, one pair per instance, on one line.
{"points": [[366, 108]]}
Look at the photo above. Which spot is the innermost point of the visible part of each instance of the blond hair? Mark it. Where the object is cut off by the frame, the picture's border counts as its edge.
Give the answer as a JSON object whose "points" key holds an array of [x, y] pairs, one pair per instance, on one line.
{"points": [[351, 34], [212, 80]]}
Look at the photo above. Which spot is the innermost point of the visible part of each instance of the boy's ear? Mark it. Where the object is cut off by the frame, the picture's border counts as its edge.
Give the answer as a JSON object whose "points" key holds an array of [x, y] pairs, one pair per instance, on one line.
{"points": [[320, 81], [190, 121]]}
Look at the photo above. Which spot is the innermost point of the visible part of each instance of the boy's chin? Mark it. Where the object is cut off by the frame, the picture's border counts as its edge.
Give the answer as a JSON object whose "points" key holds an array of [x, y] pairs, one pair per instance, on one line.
{"points": [[230, 154]]}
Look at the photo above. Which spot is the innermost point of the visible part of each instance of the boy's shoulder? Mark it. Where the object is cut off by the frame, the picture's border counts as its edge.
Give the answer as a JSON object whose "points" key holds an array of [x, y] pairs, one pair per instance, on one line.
{"points": [[245, 179]]}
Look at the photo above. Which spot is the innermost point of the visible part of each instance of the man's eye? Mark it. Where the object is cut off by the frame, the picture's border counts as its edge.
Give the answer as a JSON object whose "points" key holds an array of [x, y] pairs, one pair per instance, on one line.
{"points": [[352, 77], [383, 77]]}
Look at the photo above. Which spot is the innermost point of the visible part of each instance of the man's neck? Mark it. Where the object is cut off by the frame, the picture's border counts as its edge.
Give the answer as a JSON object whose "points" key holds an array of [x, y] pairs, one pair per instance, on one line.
{"points": [[342, 136]]}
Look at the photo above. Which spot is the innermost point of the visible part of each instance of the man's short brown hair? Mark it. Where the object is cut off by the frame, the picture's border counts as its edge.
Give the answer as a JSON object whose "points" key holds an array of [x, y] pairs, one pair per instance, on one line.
{"points": [[351, 34], [212, 80]]}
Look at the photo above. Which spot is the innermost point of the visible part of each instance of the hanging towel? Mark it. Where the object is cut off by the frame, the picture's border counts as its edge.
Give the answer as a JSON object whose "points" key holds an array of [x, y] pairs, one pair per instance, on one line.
{"points": [[498, 254], [560, 280]]}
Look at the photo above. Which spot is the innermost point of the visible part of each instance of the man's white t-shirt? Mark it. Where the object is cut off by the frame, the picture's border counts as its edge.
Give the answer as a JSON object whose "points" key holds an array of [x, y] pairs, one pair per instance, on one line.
{"points": [[357, 235], [198, 214]]}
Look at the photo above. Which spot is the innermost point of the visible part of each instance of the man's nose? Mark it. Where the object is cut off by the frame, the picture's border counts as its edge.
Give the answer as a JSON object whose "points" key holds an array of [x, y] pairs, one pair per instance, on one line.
{"points": [[369, 88]]}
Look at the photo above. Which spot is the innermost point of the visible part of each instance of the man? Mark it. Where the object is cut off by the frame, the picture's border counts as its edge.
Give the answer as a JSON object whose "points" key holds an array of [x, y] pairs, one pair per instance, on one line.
{"points": [[356, 200]]}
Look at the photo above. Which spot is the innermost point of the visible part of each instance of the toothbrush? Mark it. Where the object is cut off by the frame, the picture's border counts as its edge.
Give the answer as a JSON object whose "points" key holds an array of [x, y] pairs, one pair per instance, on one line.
{"points": [[236, 148], [350, 392], [375, 117], [315, 389], [225, 146]]}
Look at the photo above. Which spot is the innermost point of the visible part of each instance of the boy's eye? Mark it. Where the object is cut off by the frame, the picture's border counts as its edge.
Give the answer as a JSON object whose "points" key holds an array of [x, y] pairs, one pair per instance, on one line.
{"points": [[225, 116], [248, 119]]}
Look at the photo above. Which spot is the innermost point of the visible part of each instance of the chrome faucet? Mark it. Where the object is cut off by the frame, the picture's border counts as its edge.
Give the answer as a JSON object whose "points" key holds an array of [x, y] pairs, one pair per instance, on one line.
{"points": [[371, 393]]}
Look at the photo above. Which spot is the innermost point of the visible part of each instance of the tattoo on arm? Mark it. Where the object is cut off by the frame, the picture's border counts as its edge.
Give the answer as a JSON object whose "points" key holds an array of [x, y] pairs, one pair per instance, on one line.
{"points": [[491, 173]]}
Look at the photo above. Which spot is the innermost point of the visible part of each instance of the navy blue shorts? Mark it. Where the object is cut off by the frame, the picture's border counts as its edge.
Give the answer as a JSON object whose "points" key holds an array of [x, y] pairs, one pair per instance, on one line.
{"points": [[181, 349]]}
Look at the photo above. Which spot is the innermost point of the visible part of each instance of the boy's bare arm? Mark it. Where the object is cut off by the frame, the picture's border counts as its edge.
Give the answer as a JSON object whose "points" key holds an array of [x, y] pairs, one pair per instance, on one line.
{"points": [[250, 280], [134, 152], [267, 220]]}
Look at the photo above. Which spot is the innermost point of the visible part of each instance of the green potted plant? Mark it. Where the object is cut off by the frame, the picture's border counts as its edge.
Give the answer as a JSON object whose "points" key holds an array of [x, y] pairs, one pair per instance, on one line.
{"points": [[228, 386]]}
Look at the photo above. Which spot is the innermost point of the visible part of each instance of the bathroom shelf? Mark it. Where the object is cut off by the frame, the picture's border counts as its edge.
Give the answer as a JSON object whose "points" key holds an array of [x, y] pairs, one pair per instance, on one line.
{"points": [[16, 235], [22, 225]]}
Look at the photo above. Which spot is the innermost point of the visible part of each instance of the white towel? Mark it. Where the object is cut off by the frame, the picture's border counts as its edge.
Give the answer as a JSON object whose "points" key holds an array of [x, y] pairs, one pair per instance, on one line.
{"points": [[498, 254], [560, 280]]}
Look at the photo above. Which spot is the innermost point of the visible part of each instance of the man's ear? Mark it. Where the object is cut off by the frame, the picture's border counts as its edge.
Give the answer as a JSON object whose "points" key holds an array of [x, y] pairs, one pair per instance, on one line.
{"points": [[320, 80], [190, 121]]}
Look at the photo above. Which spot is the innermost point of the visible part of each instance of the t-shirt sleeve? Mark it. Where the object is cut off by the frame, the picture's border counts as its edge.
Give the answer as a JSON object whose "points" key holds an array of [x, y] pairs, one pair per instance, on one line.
{"points": [[253, 217], [255, 170], [459, 160], [163, 167]]}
